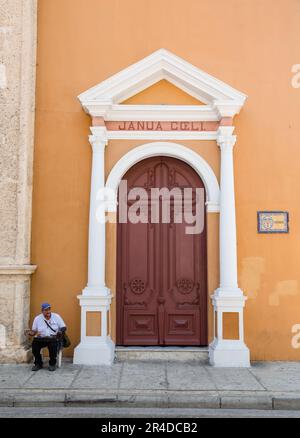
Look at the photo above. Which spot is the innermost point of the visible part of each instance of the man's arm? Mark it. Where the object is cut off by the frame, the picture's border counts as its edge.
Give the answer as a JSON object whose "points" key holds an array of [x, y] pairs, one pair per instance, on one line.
{"points": [[61, 324], [34, 330]]}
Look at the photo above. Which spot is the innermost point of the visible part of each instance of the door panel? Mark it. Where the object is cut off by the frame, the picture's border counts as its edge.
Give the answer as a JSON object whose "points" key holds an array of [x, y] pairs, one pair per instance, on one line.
{"points": [[161, 272]]}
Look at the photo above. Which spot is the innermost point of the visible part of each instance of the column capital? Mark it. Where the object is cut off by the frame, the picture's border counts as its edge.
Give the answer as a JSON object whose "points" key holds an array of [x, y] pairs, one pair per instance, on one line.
{"points": [[98, 139], [225, 138]]}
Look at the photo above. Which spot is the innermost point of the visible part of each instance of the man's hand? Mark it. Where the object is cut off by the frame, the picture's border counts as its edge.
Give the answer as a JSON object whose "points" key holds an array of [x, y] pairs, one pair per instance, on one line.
{"points": [[30, 333], [61, 332]]}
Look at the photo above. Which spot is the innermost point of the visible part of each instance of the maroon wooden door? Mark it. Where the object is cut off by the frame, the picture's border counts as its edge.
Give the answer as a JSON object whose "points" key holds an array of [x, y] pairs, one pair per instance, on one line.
{"points": [[161, 270]]}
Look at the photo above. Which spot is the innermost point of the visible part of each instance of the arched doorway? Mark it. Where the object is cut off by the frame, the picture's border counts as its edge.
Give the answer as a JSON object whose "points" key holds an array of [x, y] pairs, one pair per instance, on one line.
{"points": [[104, 104], [162, 270]]}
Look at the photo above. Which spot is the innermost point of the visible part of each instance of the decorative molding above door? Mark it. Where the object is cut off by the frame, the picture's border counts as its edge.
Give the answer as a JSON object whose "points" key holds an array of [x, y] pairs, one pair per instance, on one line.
{"points": [[105, 99]]}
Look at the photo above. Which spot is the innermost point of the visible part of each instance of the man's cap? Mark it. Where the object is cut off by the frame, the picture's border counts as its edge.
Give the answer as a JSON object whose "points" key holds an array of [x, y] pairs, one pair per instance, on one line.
{"points": [[46, 306]]}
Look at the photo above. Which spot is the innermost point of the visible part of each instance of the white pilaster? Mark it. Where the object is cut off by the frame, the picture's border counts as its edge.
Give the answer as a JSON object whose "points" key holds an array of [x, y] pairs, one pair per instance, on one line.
{"points": [[96, 296], [97, 240], [228, 298]]}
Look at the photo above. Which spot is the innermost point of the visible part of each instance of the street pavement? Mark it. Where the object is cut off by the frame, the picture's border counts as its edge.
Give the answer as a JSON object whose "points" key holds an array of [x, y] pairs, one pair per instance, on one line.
{"points": [[162, 385]]}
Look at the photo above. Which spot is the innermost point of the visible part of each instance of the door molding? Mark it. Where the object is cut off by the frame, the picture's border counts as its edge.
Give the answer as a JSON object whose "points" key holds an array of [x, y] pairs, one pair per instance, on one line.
{"points": [[221, 104]]}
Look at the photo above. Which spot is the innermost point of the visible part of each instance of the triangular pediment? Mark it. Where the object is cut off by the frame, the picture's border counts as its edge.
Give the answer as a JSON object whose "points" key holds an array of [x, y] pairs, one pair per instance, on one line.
{"points": [[217, 97]]}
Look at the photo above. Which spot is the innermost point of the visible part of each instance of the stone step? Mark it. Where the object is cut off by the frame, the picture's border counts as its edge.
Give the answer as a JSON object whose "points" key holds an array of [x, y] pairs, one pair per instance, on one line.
{"points": [[179, 354]]}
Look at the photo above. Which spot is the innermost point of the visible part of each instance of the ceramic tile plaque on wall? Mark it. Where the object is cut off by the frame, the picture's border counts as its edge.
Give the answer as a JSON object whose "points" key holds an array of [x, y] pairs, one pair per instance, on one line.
{"points": [[276, 222]]}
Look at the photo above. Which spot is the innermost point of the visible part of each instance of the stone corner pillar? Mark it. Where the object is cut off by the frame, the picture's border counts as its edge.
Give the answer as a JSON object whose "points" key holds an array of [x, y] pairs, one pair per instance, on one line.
{"points": [[228, 298], [18, 27], [96, 297]]}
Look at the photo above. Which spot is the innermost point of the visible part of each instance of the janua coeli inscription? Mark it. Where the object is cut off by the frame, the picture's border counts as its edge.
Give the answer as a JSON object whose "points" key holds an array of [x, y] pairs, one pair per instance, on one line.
{"points": [[162, 126]]}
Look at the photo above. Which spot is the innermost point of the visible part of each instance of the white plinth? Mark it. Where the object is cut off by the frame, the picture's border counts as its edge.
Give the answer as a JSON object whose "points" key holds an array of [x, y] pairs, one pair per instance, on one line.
{"points": [[229, 354], [95, 353]]}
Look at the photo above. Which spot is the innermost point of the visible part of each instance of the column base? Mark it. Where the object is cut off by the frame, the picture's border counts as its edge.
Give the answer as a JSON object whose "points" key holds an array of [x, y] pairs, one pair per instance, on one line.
{"points": [[95, 353], [230, 293], [229, 354], [91, 291]]}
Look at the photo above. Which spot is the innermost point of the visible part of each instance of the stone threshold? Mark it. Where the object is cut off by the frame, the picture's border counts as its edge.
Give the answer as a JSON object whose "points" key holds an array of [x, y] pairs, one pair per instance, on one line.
{"points": [[182, 354]]}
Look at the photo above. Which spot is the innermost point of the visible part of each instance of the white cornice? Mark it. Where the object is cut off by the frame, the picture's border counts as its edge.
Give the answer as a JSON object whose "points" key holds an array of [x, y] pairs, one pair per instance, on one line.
{"points": [[155, 112], [220, 99]]}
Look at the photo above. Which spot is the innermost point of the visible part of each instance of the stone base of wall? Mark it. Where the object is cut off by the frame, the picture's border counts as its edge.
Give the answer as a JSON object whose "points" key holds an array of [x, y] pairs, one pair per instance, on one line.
{"points": [[15, 355], [14, 313]]}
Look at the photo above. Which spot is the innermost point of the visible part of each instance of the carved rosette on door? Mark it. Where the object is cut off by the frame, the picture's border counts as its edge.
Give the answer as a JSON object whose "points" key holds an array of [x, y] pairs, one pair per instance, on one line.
{"points": [[186, 293], [161, 275], [136, 293]]}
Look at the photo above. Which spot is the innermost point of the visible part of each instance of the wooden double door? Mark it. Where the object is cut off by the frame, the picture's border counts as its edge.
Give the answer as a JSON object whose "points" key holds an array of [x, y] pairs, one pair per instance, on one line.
{"points": [[161, 270]]}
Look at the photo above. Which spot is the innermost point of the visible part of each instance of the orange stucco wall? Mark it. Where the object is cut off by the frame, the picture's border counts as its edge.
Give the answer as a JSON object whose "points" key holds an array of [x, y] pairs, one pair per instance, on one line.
{"points": [[249, 44], [162, 93]]}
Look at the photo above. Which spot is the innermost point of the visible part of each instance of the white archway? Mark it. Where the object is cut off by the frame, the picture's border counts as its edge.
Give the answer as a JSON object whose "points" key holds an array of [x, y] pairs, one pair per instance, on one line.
{"points": [[173, 150]]}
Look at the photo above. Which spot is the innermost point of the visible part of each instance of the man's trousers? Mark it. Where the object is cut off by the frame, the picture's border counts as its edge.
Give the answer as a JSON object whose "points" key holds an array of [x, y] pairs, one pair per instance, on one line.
{"points": [[51, 344]]}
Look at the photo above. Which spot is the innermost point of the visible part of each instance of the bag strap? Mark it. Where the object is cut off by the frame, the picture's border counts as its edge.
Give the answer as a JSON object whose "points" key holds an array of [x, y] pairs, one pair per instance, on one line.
{"points": [[54, 331]]}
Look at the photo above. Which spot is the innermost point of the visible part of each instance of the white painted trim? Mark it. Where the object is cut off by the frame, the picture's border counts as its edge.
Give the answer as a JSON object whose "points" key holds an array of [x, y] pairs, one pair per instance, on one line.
{"points": [[163, 64], [162, 135], [169, 113], [171, 150], [151, 113], [220, 99]]}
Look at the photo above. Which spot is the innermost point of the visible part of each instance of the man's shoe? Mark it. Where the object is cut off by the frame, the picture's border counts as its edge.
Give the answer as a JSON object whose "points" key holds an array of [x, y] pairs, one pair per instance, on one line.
{"points": [[52, 368], [37, 368]]}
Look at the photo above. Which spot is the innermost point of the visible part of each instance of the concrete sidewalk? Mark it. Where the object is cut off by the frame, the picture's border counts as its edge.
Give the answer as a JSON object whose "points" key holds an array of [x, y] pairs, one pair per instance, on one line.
{"points": [[266, 386]]}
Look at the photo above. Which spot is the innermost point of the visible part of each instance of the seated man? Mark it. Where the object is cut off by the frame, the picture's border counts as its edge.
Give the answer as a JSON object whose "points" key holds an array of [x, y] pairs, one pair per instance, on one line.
{"points": [[47, 328]]}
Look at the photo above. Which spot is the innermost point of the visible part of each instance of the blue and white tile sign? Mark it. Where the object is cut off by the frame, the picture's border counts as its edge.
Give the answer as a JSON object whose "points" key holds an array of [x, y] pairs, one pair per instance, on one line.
{"points": [[276, 222]]}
